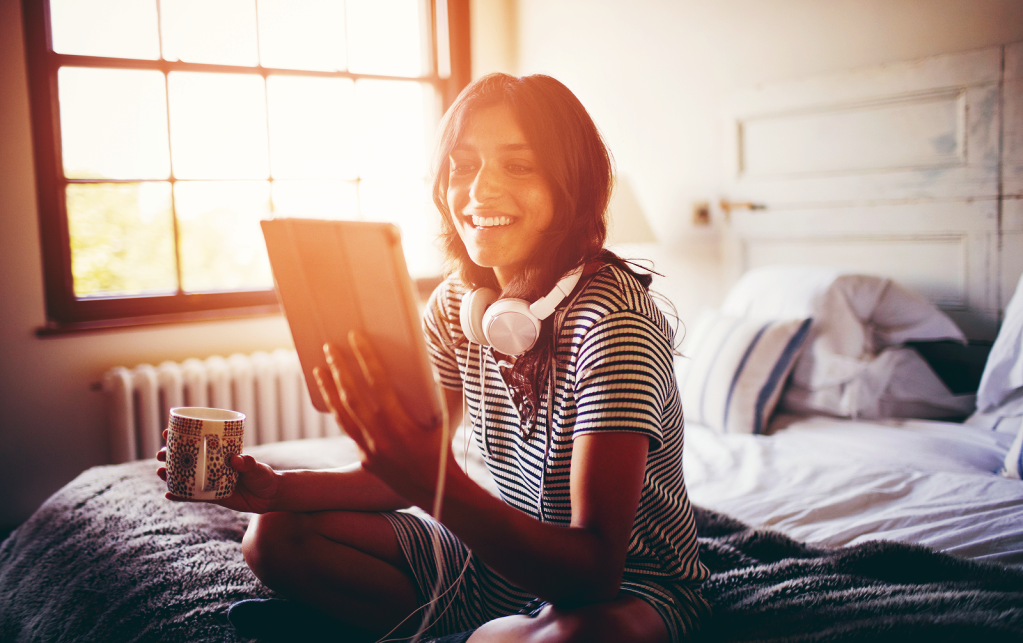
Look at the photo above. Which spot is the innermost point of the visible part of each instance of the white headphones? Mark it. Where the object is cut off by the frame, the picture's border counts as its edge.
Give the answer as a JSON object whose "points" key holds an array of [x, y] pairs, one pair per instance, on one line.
{"points": [[511, 326]]}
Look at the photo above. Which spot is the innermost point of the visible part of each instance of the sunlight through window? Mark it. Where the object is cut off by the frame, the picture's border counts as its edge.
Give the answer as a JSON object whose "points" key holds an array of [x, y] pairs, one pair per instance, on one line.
{"points": [[201, 31], [182, 123]]}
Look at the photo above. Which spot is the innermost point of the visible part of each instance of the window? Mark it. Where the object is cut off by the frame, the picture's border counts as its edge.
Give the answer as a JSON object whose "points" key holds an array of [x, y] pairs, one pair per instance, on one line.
{"points": [[166, 129]]}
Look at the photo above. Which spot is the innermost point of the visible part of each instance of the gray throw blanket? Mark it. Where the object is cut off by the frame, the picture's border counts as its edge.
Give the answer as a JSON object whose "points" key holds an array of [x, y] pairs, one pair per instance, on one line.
{"points": [[108, 559]]}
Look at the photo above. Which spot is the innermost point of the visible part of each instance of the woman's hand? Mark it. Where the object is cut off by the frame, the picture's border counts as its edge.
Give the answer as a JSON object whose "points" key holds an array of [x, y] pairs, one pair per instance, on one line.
{"points": [[256, 489], [401, 453]]}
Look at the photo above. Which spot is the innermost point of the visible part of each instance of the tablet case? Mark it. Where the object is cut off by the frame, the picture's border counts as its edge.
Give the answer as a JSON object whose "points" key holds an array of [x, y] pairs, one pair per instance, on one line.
{"points": [[334, 276]]}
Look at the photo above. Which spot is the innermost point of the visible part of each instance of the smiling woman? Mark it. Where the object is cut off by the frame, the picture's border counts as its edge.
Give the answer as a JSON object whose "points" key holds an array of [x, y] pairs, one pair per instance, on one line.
{"points": [[166, 129], [500, 202], [580, 425]]}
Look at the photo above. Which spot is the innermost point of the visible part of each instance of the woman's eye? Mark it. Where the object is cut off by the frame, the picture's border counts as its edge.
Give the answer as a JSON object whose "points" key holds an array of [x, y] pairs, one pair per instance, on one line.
{"points": [[462, 168], [517, 168]]}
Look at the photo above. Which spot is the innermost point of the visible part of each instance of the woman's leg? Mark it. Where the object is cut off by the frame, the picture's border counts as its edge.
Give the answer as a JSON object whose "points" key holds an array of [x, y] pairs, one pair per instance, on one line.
{"points": [[627, 618], [347, 564]]}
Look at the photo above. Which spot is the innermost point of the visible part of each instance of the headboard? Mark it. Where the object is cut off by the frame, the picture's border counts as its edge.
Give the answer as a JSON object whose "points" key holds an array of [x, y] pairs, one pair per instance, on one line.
{"points": [[912, 171]]}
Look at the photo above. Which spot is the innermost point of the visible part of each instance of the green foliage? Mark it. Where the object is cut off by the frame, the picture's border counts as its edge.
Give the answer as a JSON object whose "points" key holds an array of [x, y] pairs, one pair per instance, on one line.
{"points": [[117, 246]]}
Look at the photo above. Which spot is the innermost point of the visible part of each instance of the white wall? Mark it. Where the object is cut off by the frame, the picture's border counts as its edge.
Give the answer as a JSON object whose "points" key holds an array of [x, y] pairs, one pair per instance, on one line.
{"points": [[653, 72], [51, 425]]}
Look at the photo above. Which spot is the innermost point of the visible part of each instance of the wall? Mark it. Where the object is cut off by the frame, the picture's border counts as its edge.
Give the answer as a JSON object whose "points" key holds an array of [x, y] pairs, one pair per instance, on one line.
{"points": [[653, 73], [51, 424]]}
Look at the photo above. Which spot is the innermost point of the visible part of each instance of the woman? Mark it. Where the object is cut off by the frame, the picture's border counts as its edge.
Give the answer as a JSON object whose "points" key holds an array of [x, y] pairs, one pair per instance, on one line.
{"points": [[593, 538]]}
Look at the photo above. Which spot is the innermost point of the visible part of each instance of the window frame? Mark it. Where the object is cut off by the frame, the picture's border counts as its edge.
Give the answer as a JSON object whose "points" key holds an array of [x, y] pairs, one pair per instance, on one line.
{"points": [[65, 312]]}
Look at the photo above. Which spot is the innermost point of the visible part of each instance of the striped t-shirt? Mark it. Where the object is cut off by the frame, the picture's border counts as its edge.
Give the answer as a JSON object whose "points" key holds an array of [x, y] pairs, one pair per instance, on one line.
{"points": [[613, 373]]}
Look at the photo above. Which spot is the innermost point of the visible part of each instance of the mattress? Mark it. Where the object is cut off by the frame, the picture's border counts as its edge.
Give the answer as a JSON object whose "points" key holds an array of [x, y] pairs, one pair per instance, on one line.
{"points": [[836, 482]]}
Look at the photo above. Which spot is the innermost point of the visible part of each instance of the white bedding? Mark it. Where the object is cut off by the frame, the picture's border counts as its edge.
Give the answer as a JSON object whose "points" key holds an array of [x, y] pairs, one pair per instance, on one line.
{"points": [[837, 482]]}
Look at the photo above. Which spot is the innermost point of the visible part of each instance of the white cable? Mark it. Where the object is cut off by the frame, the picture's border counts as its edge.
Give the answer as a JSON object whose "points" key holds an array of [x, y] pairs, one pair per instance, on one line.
{"points": [[436, 594], [482, 411]]}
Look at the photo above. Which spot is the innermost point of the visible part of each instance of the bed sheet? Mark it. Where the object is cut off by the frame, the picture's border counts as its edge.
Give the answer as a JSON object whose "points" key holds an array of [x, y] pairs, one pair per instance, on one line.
{"points": [[835, 482]]}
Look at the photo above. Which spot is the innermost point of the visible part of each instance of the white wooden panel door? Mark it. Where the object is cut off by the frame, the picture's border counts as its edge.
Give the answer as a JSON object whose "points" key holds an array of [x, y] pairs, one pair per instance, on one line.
{"points": [[896, 170], [1012, 173]]}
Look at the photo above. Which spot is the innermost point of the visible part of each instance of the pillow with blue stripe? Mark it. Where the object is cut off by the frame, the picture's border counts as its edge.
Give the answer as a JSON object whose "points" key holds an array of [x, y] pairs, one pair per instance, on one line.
{"points": [[733, 369]]}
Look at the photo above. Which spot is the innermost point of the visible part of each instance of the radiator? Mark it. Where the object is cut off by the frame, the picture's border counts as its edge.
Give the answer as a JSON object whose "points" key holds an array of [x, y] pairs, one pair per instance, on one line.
{"points": [[267, 387]]}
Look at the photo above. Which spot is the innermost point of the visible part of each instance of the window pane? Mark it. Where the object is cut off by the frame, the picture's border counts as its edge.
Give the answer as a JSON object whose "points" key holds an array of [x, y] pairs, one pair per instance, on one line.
{"points": [[316, 199], [218, 126], [385, 37], [114, 28], [302, 35], [392, 132], [113, 123], [407, 204], [311, 127], [222, 244], [122, 238], [203, 31]]}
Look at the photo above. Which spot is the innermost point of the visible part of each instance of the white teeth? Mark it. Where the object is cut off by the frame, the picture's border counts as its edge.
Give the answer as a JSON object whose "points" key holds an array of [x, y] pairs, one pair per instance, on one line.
{"points": [[487, 222]]}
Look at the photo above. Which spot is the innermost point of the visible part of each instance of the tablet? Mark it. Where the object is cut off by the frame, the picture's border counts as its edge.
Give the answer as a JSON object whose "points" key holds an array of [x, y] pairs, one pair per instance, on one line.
{"points": [[335, 276]]}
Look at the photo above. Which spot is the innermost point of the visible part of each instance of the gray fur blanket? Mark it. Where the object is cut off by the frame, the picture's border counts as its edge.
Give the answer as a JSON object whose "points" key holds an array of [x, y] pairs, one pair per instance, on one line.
{"points": [[108, 559]]}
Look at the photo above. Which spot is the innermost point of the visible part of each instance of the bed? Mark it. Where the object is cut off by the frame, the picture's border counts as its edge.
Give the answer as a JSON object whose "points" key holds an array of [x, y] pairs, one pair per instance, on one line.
{"points": [[842, 546], [815, 527], [835, 500]]}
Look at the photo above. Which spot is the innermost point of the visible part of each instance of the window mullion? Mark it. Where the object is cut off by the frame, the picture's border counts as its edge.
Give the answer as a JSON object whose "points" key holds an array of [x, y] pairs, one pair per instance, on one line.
{"points": [[65, 309], [74, 60], [173, 186]]}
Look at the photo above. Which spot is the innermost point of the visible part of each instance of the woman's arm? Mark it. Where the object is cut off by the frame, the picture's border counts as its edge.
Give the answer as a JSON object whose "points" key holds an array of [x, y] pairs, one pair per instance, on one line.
{"points": [[349, 488], [566, 565], [260, 489]]}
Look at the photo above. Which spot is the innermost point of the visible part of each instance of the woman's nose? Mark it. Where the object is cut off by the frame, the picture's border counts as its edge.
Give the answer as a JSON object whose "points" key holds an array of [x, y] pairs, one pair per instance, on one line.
{"points": [[486, 184]]}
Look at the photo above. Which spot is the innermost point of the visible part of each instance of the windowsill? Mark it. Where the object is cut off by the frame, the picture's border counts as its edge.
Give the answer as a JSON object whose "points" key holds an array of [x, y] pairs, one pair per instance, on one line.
{"points": [[57, 329], [424, 288]]}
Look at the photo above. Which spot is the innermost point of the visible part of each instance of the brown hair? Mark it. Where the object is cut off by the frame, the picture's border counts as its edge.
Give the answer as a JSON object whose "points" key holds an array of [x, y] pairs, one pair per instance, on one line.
{"points": [[579, 170]]}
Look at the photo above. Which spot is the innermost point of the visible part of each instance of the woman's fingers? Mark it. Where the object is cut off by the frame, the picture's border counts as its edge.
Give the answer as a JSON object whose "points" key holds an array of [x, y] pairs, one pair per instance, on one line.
{"points": [[373, 371], [358, 401], [334, 396], [376, 375], [331, 398], [242, 463]]}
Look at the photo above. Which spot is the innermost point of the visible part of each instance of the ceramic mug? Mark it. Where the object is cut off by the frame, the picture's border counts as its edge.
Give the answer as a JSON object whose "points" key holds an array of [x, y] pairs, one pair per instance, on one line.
{"points": [[200, 443]]}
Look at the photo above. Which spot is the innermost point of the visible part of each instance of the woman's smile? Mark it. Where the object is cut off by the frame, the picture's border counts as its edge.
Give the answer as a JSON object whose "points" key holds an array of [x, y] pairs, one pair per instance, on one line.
{"points": [[483, 221], [499, 199]]}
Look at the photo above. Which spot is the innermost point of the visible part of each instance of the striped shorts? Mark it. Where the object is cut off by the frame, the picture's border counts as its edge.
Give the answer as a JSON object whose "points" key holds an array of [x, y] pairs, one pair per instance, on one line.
{"points": [[473, 594]]}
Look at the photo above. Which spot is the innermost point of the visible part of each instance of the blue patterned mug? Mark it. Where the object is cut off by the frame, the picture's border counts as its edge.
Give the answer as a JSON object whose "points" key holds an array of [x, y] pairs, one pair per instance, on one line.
{"points": [[200, 443]]}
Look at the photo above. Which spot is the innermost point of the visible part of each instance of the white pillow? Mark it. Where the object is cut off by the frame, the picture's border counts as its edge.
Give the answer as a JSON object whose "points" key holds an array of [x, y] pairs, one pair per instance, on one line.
{"points": [[733, 369], [854, 365], [1002, 381], [1014, 458], [1000, 396]]}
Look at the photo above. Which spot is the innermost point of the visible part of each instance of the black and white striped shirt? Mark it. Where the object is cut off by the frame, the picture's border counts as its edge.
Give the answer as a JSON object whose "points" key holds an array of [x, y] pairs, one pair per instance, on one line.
{"points": [[613, 373]]}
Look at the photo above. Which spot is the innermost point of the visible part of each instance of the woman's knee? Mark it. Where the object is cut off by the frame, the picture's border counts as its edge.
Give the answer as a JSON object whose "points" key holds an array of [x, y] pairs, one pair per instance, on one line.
{"points": [[550, 626], [627, 619], [271, 543], [567, 626]]}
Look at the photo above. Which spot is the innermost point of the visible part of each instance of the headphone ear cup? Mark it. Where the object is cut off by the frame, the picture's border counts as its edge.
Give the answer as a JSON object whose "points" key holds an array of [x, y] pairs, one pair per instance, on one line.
{"points": [[510, 326], [470, 316]]}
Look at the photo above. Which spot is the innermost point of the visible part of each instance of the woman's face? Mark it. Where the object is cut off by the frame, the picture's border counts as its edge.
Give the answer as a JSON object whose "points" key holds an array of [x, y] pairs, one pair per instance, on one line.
{"points": [[499, 202]]}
